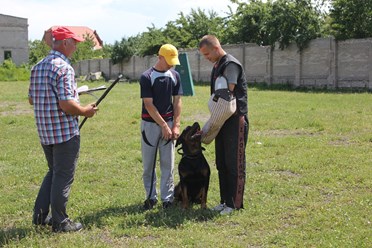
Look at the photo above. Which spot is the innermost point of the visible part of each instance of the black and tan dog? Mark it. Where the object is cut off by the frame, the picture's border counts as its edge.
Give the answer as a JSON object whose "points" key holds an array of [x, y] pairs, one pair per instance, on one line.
{"points": [[193, 169]]}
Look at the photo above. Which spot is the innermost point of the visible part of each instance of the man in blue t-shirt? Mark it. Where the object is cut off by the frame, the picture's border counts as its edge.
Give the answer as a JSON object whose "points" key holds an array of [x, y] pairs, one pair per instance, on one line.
{"points": [[161, 92]]}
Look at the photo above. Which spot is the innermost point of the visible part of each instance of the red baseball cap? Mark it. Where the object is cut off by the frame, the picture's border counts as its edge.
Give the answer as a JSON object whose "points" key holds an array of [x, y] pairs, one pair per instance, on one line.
{"points": [[62, 33]]}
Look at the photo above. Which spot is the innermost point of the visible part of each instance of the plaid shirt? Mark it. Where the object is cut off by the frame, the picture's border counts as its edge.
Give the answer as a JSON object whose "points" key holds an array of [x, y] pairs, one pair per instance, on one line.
{"points": [[53, 80]]}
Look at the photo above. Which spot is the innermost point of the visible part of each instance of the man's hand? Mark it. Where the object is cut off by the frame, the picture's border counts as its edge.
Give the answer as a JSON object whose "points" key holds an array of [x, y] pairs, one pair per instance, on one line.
{"points": [[71, 107], [90, 110], [175, 132], [166, 132]]}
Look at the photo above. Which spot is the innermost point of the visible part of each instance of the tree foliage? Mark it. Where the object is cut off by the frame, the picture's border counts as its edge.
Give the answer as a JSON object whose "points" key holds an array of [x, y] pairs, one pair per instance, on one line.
{"points": [[149, 42], [38, 50], [293, 21], [254, 21], [188, 29], [248, 23], [351, 19], [85, 50], [122, 50], [282, 21], [184, 32], [9, 71]]}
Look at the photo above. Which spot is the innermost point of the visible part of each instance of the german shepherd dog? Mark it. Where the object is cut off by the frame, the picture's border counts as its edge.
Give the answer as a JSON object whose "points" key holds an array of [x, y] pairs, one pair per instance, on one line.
{"points": [[193, 169]]}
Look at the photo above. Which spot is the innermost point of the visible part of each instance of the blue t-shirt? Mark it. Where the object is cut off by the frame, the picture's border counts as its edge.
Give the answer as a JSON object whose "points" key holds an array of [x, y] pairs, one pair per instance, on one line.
{"points": [[161, 86]]}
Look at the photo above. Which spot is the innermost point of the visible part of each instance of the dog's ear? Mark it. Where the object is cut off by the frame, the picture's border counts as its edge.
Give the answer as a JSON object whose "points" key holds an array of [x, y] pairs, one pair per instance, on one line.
{"points": [[180, 139]]}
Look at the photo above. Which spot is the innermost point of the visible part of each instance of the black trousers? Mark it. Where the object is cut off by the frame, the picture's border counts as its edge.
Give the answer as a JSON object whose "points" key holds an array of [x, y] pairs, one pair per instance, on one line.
{"points": [[230, 145]]}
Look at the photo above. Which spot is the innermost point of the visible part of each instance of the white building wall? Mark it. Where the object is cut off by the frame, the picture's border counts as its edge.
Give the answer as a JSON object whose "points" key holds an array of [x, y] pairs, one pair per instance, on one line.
{"points": [[14, 38]]}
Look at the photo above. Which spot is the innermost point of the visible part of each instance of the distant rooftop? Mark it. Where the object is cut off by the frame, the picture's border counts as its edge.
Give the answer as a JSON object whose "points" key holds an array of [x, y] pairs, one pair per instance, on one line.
{"points": [[80, 31]]}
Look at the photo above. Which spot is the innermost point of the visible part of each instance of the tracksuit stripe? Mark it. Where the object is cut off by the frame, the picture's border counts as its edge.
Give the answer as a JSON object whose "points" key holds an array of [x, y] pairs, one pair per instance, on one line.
{"points": [[238, 202]]}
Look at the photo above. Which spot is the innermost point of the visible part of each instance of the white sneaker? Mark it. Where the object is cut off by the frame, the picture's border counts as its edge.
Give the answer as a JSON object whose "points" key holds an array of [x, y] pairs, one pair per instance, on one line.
{"points": [[227, 210], [219, 207]]}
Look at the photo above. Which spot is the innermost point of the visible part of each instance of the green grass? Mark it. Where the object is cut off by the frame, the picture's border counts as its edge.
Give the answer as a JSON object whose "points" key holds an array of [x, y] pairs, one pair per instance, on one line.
{"points": [[309, 175]]}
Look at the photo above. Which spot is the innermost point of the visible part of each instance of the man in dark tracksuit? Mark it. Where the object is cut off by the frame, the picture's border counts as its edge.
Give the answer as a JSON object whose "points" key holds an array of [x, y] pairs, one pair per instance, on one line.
{"points": [[230, 143]]}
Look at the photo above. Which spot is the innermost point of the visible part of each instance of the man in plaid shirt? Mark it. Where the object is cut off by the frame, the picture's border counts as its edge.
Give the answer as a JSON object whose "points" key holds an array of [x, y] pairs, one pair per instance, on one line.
{"points": [[53, 94]]}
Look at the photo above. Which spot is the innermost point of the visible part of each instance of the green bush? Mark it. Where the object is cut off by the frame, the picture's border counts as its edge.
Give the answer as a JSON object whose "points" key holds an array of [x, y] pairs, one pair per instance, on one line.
{"points": [[11, 72]]}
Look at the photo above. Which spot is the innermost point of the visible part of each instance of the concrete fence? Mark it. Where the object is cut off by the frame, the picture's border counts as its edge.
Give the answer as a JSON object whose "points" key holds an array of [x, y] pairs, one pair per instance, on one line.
{"points": [[324, 63]]}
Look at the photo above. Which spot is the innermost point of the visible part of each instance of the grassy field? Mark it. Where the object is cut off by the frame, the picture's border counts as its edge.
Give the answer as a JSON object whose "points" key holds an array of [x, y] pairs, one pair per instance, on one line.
{"points": [[309, 175]]}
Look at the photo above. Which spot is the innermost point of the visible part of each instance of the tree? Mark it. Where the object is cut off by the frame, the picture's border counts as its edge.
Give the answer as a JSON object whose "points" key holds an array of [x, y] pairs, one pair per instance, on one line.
{"points": [[351, 19], [187, 30], [38, 50], [248, 23], [122, 50], [85, 50], [292, 21], [282, 21], [149, 42], [146, 43]]}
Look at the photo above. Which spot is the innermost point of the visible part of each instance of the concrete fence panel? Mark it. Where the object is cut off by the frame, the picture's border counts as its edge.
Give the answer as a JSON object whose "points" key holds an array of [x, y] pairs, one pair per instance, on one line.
{"points": [[315, 63], [257, 64], [284, 65], [324, 63], [353, 63]]}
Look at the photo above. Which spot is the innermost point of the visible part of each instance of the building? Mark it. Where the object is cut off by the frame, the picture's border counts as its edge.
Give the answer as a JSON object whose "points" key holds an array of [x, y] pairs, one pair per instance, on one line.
{"points": [[81, 31], [14, 39]]}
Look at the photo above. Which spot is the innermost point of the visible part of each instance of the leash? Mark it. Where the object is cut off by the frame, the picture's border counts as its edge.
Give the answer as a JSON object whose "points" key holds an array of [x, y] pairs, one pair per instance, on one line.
{"points": [[153, 172]]}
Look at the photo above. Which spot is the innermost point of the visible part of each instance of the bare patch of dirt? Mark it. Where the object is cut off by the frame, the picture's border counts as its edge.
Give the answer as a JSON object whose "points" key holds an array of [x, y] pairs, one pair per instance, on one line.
{"points": [[15, 109], [288, 173], [286, 132], [199, 117], [343, 141]]}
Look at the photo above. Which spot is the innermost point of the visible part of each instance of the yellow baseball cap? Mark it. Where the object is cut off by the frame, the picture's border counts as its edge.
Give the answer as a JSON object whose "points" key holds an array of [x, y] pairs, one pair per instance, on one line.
{"points": [[170, 53]]}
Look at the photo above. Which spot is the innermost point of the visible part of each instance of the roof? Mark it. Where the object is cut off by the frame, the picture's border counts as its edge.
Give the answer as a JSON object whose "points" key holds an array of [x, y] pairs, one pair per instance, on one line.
{"points": [[13, 16], [80, 31]]}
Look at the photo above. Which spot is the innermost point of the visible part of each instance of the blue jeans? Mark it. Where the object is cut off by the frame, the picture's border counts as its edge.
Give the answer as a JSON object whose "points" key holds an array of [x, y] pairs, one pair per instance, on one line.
{"points": [[55, 189]]}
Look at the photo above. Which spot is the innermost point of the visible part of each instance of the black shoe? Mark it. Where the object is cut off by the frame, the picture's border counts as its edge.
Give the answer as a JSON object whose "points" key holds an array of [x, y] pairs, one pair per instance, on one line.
{"points": [[149, 204], [67, 226], [40, 220], [167, 204]]}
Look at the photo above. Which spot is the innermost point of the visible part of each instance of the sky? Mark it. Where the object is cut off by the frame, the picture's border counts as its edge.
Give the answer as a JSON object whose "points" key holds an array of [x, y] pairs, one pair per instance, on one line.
{"points": [[112, 19]]}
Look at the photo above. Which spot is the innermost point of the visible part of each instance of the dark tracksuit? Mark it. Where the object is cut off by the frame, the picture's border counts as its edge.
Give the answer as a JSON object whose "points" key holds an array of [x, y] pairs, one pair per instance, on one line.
{"points": [[230, 143]]}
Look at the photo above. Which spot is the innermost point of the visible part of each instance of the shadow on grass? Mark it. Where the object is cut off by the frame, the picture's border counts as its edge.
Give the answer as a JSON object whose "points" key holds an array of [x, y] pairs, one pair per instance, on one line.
{"points": [[261, 86], [10, 234], [134, 216], [305, 89]]}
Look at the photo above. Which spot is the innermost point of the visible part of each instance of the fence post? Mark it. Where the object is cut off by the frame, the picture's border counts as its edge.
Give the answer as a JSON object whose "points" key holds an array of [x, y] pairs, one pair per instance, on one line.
{"points": [[298, 69], [332, 77], [268, 78], [110, 68], [243, 60], [89, 67], [198, 59], [134, 66], [370, 66]]}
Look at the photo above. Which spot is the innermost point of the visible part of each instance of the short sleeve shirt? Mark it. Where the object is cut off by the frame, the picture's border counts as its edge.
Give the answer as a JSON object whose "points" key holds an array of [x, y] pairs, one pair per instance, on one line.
{"points": [[52, 80], [161, 86]]}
